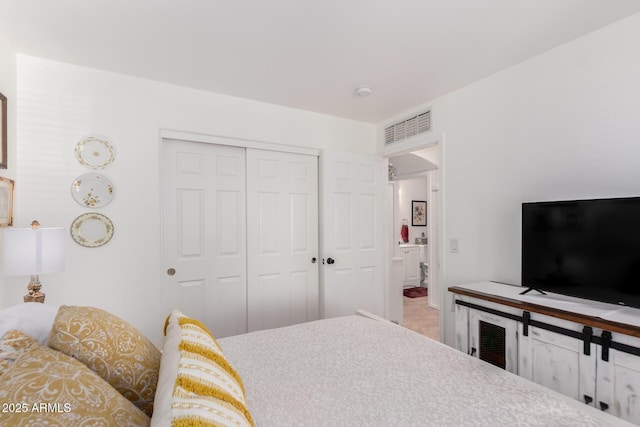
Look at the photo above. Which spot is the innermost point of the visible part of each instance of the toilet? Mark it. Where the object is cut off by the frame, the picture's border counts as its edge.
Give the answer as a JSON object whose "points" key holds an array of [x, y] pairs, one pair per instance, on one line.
{"points": [[424, 266]]}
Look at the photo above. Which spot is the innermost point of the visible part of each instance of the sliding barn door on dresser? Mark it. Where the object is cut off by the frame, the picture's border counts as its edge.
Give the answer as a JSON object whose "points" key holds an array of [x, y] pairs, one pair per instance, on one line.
{"points": [[282, 225], [494, 340], [618, 380], [559, 362], [240, 234], [204, 234]]}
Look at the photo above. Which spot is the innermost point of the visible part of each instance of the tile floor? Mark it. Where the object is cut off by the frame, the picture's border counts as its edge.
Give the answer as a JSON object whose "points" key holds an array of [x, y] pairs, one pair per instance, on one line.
{"points": [[421, 318]]}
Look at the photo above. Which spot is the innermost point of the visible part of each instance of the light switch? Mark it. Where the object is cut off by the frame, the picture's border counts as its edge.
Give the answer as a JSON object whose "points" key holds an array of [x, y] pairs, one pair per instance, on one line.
{"points": [[453, 246]]}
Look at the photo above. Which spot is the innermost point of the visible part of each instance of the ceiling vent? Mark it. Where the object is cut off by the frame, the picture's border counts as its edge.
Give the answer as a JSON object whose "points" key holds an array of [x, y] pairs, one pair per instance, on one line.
{"points": [[412, 126]]}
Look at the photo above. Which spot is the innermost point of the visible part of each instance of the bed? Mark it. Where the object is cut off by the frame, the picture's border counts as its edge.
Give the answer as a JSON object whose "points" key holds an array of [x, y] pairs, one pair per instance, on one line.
{"points": [[364, 371], [357, 370]]}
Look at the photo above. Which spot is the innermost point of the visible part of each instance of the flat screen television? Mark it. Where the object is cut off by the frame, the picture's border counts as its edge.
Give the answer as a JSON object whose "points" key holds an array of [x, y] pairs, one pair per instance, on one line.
{"points": [[583, 248]]}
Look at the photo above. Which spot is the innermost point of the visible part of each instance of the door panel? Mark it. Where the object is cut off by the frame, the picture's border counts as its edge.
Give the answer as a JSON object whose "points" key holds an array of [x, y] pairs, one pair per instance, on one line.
{"points": [[190, 205], [204, 234], [352, 213], [558, 362], [282, 190], [618, 382], [476, 340]]}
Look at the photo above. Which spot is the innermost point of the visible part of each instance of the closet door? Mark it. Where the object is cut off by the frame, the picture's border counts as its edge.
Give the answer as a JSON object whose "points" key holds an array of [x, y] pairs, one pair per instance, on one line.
{"points": [[204, 234], [282, 247]]}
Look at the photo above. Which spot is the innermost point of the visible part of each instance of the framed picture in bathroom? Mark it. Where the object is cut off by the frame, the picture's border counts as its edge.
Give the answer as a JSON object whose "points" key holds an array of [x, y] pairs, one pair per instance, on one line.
{"points": [[418, 213]]}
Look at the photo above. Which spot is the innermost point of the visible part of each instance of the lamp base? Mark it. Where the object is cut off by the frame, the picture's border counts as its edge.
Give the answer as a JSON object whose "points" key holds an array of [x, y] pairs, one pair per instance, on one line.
{"points": [[35, 297], [34, 294]]}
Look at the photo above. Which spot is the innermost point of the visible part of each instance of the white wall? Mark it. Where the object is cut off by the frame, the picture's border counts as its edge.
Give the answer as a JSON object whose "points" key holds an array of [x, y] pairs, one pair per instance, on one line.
{"points": [[563, 125], [409, 190], [8, 89], [60, 103]]}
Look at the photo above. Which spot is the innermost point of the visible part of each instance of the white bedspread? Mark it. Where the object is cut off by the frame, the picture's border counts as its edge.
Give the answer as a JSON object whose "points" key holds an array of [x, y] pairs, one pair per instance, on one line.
{"points": [[353, 371]]}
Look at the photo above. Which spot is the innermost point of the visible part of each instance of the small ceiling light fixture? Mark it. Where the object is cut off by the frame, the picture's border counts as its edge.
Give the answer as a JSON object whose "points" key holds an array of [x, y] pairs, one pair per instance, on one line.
{"points": [[364, 90]]}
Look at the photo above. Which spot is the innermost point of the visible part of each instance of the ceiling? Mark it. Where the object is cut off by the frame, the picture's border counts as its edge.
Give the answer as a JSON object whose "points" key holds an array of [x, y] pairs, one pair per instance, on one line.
{"points": [[410, 165], [310, 55], [416, 163]]}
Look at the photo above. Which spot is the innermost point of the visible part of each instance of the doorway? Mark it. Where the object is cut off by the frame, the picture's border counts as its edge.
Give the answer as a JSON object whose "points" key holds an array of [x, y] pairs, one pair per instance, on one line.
{"points": [[416, 176]]}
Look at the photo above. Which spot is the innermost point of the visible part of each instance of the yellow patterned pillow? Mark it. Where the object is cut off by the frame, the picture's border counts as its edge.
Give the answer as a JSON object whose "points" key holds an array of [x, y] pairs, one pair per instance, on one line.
{"points": [[197, 385], [110, 347], [47, 388], [12, 345]]}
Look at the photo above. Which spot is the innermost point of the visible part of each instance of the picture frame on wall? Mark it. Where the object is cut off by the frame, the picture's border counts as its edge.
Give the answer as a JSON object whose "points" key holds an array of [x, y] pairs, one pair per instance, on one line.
{"points": [[418, 213], [7, 187], [3, 131]]}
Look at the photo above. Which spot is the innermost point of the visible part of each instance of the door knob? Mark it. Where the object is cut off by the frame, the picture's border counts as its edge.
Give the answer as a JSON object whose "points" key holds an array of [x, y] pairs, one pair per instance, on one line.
{"points": [[313, 260], [330, 260], [171, 271]]}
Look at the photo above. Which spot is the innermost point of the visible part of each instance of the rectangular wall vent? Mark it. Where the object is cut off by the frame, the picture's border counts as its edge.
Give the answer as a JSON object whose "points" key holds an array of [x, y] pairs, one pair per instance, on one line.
{"points": [[415, 125]]}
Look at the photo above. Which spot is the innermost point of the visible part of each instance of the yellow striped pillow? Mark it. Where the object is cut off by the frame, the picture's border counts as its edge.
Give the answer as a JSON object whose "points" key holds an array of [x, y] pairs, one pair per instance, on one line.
{"points": [[197, 385]]}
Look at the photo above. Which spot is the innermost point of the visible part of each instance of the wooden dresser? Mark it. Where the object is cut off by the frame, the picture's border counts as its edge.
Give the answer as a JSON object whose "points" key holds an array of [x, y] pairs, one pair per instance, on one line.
{"points": [[584, 349]]}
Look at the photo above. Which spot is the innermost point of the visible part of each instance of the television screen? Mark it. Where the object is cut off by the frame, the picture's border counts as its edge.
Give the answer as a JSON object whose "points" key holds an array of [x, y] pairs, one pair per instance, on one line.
{"points": [[583, 248]]}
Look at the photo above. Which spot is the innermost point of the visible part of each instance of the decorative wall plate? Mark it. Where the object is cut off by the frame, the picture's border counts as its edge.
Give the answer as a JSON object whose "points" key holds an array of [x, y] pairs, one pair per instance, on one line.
{"points": [[91, 230], [95, 152], [92, 190]]}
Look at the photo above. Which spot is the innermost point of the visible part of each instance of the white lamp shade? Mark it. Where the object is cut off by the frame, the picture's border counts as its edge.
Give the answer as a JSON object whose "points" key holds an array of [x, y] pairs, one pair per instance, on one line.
{"points": [[29, 251]]}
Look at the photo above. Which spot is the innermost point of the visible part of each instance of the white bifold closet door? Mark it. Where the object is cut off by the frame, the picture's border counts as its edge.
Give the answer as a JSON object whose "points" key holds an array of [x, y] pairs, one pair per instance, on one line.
{"points": [[240, 234], [204, 234], [282, 246]]}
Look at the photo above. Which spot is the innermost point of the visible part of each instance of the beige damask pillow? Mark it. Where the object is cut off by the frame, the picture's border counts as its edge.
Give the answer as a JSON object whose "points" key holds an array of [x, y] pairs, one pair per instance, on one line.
{"points": [[44, 387], [12, 345], [110, 347]]}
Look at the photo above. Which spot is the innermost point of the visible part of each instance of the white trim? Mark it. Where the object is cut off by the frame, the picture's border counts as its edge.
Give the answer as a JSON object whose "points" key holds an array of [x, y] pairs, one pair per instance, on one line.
{"points": [[235, 142], [441, 247], [414, 143], [412, 175]]}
